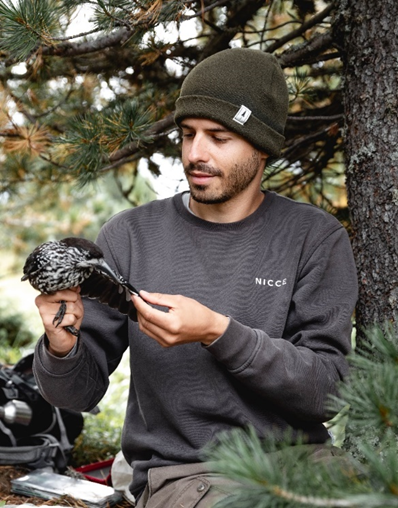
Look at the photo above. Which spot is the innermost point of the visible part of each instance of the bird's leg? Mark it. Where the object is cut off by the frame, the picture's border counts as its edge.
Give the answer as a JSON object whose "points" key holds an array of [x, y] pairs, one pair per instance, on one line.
{"points": [[59, 316]]}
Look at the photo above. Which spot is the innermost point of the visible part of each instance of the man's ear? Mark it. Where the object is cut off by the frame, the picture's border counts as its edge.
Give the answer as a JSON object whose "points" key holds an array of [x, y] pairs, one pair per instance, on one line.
{"points": [[264, 157]]}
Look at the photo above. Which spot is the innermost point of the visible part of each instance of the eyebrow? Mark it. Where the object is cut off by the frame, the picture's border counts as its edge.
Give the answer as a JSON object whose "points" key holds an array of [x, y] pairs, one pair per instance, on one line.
{"points": [[214, 129]]}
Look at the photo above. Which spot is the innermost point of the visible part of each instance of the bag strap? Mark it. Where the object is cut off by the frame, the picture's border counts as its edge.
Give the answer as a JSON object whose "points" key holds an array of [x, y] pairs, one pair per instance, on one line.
{"points": [[8, 433], [39, 455], [13, 385], [65, 447]]}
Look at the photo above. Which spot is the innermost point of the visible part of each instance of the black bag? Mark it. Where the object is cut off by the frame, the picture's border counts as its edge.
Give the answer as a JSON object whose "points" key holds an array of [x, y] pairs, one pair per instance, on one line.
{"points": [[33, 432]]}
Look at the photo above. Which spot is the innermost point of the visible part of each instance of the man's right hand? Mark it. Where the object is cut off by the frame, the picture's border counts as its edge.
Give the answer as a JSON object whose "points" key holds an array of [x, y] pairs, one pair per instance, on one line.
{"points": [[60, 340]]}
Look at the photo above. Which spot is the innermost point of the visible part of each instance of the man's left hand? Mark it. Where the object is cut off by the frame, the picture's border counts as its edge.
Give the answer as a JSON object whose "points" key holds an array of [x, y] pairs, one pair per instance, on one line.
{"points": [[186, 320]]}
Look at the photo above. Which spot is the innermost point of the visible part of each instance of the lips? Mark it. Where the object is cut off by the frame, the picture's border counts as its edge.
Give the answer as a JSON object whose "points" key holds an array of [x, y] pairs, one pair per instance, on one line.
{"points": [[201, 174], [200, 178]]}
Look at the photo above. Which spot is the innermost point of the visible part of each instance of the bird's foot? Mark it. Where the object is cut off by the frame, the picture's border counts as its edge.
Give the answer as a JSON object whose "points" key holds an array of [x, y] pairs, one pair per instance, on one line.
{"points": [[59, 316], [74, 331]]}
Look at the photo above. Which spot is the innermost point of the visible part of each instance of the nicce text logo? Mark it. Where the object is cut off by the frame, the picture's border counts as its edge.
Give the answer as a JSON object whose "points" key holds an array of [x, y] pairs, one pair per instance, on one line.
{"points": [[260, 281]]}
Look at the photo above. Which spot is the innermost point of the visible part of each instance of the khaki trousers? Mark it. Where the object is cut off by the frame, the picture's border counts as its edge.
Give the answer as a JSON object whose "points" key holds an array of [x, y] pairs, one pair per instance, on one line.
{"points": [[184, 486], [195, 486]]}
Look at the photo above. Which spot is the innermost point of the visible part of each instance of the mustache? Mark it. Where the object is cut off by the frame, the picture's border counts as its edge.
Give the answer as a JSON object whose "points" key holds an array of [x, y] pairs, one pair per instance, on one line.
{"points": [[202, 168]]}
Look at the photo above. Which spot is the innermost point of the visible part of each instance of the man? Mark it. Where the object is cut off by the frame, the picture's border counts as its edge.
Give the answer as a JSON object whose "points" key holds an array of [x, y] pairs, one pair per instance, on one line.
{"points": [[246, 315]]}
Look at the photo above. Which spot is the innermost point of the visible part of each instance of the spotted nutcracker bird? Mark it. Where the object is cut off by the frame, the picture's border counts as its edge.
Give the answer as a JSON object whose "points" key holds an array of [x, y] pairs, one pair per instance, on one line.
{"points": [[54, 266]]}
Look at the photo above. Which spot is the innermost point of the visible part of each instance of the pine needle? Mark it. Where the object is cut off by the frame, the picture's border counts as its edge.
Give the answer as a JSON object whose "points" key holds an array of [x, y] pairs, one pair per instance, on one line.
{"points": [[32, 140]]}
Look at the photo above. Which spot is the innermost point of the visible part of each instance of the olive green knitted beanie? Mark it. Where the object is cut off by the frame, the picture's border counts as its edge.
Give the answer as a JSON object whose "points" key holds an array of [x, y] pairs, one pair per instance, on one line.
{"points": [[242, 89]]}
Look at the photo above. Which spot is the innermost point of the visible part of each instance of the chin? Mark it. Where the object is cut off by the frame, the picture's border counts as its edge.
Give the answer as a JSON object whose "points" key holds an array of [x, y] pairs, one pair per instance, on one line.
{"points": [[208, 199]]}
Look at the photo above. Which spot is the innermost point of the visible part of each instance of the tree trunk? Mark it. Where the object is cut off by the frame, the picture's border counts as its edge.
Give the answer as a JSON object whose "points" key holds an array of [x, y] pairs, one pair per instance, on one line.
{"points": [[369, 31]]}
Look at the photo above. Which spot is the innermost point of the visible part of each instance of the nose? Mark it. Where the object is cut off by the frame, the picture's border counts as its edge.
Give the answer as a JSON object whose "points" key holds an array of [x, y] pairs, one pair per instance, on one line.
{"points": [[197, 149]]}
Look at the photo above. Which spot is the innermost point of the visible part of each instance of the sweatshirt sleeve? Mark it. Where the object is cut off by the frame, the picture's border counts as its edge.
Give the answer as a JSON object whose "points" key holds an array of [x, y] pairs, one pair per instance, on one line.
{"points": [[80, 381], [298, 371]]}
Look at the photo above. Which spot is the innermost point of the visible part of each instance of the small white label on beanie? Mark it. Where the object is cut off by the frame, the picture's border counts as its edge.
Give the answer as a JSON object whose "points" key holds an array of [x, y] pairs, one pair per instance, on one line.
{"points": [[242, 116]]}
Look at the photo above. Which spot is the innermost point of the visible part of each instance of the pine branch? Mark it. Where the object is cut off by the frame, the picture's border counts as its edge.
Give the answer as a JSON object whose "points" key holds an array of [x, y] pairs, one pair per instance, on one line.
{"points": [[9, 134], [328, 118], [273, 473], [305, 140], [156, 129], [270, 472], [307, 51], [147, 18], [372, 391], [117, 38], [378, 501], [106, 58], [58, 105], [27, 25], [95, 139], [203, 11], [76, 36], [315, 20], [247, 9], [121, 162], [21, 108]]}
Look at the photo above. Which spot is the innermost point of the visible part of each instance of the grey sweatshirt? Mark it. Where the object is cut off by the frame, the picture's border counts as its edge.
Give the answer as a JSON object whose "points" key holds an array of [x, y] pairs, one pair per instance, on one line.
{"points": [[286, 277]]}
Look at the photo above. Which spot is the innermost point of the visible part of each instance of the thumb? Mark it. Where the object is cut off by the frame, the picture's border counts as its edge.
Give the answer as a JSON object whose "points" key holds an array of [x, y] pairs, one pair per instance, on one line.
{"points": [[158, 299]]}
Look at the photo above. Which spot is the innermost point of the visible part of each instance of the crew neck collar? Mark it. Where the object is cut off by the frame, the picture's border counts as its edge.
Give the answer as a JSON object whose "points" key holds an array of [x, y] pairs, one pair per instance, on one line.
{"points": [[181, 202]]}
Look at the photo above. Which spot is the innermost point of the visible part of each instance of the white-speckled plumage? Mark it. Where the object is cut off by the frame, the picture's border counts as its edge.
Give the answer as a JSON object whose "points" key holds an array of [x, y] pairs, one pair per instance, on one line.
{"points": [[53, 266], [58, 265]]}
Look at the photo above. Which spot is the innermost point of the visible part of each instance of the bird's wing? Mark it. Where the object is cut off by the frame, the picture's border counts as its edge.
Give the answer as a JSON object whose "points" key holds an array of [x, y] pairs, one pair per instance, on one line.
{"points": [[110, 288], [106, 290]]}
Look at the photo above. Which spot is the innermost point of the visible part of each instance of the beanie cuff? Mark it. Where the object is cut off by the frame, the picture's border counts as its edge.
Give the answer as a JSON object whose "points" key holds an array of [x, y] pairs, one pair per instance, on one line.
{"points": [[256, 132]]}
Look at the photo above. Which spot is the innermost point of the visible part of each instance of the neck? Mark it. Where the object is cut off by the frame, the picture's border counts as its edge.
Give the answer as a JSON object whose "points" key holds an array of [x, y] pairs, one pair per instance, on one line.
{"points": [[233, 210]]}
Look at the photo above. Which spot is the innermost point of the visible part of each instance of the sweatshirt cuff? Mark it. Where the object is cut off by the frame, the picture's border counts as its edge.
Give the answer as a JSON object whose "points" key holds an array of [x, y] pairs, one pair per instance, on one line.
{"points": [[237, 347], [71, 353], [55, 364]]}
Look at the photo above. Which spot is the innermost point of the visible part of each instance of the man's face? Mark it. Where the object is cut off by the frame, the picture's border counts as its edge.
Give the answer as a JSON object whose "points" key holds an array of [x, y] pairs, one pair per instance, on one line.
{"points": [[218, 163]]}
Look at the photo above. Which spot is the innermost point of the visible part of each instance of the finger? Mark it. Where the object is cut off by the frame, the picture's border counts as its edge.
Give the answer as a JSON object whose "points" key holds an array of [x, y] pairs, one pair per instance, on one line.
{"points": [[150, 315], [151, 321], [66, 295], [72, 308], [67, 320], [161, 335], [49, 312], [160, 299], [139, 303], [47, 306], [142, 306]]}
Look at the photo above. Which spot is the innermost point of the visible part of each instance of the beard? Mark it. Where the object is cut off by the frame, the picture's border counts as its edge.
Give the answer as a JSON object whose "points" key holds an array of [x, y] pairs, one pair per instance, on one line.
{"points": [[240, 177]]}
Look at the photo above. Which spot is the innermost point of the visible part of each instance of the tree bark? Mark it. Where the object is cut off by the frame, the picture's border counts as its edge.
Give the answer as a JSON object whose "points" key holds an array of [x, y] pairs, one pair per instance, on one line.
{"points": [[369, 31]]}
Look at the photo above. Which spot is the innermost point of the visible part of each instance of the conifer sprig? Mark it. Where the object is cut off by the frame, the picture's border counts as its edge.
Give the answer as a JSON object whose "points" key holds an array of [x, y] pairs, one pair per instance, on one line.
{"points": [[93, 138], [372, 390], [27, 24], [274, 474]]}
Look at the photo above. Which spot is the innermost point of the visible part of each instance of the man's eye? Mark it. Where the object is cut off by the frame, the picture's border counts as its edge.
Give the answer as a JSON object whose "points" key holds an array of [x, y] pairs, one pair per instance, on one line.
{"points": [[220, 140]]}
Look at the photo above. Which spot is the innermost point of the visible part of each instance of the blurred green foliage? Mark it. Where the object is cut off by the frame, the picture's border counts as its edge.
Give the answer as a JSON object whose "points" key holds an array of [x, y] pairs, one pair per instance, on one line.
{"points": [[101, 436], [15, 336], [59, 210], [99, 440]]}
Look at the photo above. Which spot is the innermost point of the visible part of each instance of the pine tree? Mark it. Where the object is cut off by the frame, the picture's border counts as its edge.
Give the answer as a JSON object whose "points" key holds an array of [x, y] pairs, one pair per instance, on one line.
{"points": [[77, 106], [367, 31], [271, 474]]}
